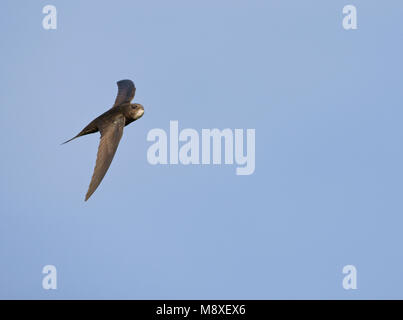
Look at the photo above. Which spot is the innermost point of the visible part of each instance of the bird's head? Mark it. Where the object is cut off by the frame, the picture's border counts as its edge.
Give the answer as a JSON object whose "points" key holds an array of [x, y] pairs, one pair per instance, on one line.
{"points": [[137, 111]]}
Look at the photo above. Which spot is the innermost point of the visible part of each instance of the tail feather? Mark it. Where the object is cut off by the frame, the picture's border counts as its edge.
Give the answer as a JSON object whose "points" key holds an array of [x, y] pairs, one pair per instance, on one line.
{"points": [[70, 140], [91, 128]]}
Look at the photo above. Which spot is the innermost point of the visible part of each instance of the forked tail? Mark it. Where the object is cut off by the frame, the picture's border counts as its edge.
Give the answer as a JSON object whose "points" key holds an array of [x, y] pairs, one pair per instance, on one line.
{"points": [[91, 128], [70, 139]]}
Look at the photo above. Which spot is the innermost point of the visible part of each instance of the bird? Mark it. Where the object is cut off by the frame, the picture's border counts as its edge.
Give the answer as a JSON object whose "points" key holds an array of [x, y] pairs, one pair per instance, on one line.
{"points": [[110, 125]]}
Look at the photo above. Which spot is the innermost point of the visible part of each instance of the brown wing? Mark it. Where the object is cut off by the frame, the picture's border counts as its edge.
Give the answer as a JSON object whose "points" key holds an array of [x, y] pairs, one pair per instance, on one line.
{"points": [[111, 133], [126, 91]]}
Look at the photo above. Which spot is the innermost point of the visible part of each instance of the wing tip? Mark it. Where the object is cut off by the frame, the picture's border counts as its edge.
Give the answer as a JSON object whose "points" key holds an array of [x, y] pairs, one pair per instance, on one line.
{"points": [[124, 81], [88, 195]]}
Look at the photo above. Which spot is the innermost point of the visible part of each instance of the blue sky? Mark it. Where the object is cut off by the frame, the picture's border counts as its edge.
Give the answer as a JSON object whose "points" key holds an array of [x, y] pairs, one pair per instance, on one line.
{"points": [[326, 105]]}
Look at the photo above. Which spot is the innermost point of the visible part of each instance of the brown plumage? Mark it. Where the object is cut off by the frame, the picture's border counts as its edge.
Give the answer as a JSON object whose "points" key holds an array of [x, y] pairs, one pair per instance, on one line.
{"points": [[110, 124]]}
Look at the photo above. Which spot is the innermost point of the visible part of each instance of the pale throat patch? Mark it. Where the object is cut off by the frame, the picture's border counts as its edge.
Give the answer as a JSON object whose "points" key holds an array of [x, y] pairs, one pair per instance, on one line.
{"points": [[140, 112]]}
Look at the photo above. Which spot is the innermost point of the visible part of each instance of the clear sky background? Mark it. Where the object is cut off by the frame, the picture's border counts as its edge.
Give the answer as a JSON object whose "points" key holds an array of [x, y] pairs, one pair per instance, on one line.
{"points": [[326, 104]]}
